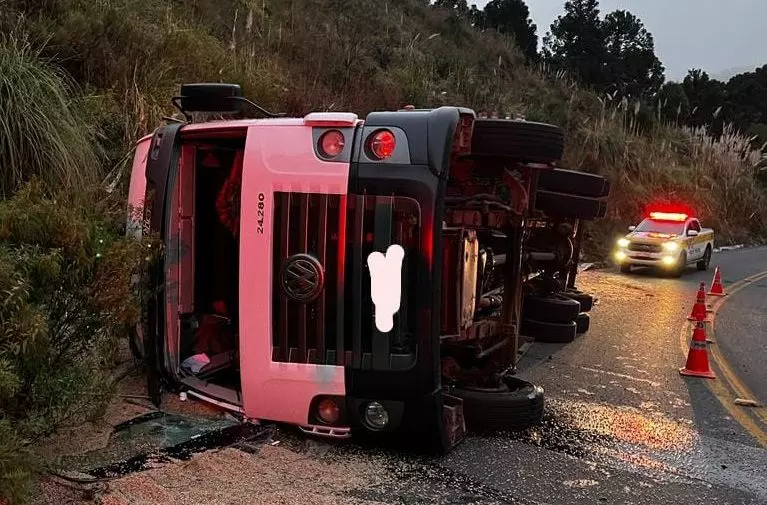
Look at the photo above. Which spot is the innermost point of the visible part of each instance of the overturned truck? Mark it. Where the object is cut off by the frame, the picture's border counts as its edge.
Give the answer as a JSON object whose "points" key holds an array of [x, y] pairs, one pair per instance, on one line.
{"points": [[366, 278]]}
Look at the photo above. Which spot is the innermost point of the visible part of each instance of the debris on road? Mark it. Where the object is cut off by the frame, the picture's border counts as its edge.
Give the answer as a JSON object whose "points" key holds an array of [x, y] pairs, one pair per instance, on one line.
{"points": [[745, 402], [580, 483], [729, 248], [158, 437]]}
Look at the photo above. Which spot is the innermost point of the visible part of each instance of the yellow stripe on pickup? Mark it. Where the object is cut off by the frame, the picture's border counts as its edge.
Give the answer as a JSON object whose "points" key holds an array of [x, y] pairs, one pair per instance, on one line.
{"points": [[703, 237]]}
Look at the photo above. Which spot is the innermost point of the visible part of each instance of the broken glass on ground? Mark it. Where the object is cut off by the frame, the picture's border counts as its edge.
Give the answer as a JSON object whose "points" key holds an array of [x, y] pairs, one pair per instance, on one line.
{"points": [[160, 437]]}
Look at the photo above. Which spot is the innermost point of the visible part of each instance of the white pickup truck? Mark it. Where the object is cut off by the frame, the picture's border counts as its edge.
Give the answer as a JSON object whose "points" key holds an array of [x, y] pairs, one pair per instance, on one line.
{"points": [[670, 241]]}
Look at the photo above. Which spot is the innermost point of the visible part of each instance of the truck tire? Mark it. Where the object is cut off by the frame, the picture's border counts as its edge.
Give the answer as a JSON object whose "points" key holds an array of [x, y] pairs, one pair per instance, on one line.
{"points": [[583, 323], [625, 268], [564, 205], [706, 261], [550, 333], [525, 141], [573, 182], [515, 405], [681, 268], [550, 309], [585, 299]]}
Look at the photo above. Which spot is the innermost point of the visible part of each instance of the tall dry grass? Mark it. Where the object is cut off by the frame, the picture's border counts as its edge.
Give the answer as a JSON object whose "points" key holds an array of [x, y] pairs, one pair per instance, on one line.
{"points": [[715, 176], [296, 56], [42, 132]]}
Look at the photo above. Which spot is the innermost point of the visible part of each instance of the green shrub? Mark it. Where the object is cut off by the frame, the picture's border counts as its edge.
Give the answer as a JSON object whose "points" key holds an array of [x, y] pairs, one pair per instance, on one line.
{"points": [[65, 300], [17, 465]]}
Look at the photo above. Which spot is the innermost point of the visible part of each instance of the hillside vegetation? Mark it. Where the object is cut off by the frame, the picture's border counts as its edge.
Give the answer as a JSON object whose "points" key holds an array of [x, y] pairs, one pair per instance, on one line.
{"points": [[129, 56], [81, 80]]}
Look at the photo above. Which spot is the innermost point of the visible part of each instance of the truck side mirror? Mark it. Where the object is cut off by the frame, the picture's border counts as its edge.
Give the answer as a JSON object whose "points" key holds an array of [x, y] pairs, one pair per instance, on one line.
{"points": [[692, 233], [632, 228]]}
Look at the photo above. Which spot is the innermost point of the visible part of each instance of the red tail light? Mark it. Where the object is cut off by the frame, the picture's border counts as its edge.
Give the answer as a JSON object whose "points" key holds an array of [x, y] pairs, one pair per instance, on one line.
{"points": [[382, 144], [332, 143], [328, 411]]}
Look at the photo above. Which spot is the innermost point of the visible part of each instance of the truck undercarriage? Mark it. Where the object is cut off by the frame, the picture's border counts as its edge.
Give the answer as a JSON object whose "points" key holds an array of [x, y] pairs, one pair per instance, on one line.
{"points": [[510, 253]]}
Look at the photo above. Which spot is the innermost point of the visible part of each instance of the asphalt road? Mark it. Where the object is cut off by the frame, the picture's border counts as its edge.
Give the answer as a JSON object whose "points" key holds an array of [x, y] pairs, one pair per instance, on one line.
{"points": [[742, 327], [621, 425]]}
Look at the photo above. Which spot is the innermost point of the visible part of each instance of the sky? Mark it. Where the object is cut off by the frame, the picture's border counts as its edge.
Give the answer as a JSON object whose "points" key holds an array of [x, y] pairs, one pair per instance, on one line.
{"points": [[721, 37]]}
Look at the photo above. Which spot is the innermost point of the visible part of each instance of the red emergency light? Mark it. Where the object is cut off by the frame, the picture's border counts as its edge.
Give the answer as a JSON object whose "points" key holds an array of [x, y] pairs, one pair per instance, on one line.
{"points": [[668, 210], [668, 216]]}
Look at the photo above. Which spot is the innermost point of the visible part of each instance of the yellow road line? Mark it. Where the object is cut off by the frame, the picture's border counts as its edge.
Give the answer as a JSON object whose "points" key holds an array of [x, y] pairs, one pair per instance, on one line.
{"points": [[737, 384], [728, 385]]}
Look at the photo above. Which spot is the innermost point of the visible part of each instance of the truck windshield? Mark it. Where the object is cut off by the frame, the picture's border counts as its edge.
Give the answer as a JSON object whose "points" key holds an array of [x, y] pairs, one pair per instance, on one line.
{"points": [[653, 226]]}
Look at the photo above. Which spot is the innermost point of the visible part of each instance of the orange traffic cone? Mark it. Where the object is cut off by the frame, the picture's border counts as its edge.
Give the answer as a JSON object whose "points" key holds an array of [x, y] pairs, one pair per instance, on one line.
{"points": [[716, 286], [697, 358], [699, 310]]}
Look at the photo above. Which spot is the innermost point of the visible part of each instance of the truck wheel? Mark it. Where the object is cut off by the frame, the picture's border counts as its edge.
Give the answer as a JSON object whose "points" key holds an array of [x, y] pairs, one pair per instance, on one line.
{"points": [[585, 299], [552, 333], [583, 323], [550, 309], [625, 268], [514, 405], [564, 205], [521, 140], [706, 261], [681, 268], [573, 182]]}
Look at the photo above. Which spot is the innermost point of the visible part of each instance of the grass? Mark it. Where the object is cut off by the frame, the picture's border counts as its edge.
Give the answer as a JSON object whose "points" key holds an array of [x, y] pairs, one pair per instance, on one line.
{"points": [[715, 176], [41, 134], [129, 56]]}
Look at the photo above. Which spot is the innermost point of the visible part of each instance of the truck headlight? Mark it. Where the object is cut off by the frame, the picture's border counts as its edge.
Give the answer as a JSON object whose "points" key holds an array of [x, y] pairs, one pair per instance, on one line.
{"points": [[670, 246], [623, 242]]}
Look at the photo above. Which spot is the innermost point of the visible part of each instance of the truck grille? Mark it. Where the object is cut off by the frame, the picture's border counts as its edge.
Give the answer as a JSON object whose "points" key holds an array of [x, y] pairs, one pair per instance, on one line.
{"points": [[648, 248], [322, 310]]}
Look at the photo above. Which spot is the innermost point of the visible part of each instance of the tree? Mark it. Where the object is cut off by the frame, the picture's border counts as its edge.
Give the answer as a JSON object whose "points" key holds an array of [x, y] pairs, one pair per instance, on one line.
{"points": [[673, 103], [630, 66], [459, 7], [747, 98], [615, 55], [706, 96], [512, 17], [477, 18], [576, 43]]}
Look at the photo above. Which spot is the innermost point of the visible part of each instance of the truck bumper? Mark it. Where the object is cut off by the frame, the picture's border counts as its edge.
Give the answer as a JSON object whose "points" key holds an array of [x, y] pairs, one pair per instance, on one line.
{"points": [[660, 260], [415, 423]]}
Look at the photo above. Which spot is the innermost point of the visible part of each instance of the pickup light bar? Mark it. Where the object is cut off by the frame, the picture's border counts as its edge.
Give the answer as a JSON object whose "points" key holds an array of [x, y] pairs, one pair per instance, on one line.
{"points": [[668, 216]]}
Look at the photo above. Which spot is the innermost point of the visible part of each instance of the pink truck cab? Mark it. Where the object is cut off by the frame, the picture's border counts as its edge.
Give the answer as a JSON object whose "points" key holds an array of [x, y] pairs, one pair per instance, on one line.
{"points": [[338, 274]]}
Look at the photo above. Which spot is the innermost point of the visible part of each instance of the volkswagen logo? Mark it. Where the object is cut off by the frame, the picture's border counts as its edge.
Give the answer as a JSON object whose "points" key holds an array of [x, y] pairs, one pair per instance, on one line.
{"points": [[302, 278]]}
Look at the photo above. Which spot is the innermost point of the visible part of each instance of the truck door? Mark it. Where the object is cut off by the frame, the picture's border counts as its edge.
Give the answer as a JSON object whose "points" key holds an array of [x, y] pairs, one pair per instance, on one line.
{"points": [[162, 161], [694, 245]]}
